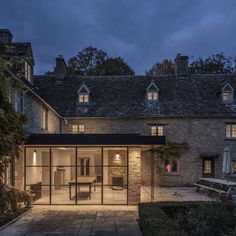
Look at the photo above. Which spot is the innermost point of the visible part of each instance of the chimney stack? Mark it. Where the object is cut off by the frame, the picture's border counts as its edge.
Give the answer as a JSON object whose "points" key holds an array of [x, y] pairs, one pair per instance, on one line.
{"points": [[181, 65], [60, 68], [5, 36]]}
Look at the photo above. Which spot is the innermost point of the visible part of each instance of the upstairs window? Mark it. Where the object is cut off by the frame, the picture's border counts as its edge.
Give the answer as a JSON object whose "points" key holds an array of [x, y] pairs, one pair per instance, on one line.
{"points": [[152, 92], [74, 129], [44, 118], [83, 94], [157, 130], [152, 96], [230, 130], [28, 71], [20, 102], [83, 98], [227, 93], [81, 129]]}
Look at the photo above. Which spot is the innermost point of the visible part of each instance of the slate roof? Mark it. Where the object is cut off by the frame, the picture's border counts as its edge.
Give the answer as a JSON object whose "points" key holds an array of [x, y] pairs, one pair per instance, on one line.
{"points": [[125, 96]]}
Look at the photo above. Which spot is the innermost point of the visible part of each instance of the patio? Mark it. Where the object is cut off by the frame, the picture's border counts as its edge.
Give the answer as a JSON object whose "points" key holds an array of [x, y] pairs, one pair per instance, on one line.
{"points": [[174, 194], [76, 220]]}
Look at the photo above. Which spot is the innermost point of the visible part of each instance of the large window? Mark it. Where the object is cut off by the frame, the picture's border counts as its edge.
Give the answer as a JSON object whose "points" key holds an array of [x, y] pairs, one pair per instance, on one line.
{"points": [[77, 175], [230, 130]]}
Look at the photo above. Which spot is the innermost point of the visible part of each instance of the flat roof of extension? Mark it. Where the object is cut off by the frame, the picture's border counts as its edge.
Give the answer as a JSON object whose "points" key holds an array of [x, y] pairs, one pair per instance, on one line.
{"points": [[94, 139]]}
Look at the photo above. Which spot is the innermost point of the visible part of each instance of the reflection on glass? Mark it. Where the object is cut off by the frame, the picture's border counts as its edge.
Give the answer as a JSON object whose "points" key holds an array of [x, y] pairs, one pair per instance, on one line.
{"points": [[63, 156], [112, 195], [57, 174], [37, 175], [37, 156], [41, 194]]}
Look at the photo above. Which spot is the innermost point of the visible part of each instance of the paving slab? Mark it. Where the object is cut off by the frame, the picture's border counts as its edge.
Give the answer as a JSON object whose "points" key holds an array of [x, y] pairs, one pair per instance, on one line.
{"points": [[76, 220]]}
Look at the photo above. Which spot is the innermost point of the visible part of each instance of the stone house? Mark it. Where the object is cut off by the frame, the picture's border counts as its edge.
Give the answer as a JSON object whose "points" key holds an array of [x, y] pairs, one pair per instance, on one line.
{"points": [[90, 137]]}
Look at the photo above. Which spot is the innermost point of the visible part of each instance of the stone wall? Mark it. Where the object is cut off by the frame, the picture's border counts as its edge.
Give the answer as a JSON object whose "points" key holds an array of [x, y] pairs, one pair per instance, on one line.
{"points": [[117, 168], [33, 109], [205, 136], [134, 183]]}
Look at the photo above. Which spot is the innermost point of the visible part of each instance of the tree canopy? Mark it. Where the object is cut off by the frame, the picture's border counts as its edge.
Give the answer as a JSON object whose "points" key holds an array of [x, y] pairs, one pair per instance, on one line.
{"points": [[92, 61], [166, 67], [215, 64], [114, 66]]}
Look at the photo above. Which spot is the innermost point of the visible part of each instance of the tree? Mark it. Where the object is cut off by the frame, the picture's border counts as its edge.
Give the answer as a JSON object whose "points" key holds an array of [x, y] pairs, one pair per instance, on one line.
{"points": [[12, 134], [87, 61], [215, 64], [166, 67], [93, 61], [114, 66]]}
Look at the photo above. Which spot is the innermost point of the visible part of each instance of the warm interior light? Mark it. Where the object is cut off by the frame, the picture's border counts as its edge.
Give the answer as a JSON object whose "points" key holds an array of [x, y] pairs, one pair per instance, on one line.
{"points": [[34, 157], [117, 157]]}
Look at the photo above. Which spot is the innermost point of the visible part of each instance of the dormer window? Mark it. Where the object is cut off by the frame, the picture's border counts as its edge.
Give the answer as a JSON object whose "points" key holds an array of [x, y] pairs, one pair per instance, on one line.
{"points": [[227, 93], [28, 71], [152, 92], [83, 94], [83, 98]]}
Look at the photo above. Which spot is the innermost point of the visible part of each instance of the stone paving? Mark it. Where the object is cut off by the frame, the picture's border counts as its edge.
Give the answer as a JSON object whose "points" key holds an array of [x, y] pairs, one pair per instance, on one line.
{"points": [[76, 220], [175, 194], [94, 220]]}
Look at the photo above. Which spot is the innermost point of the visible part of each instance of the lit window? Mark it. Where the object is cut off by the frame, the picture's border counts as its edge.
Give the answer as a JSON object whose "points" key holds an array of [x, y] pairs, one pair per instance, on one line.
{"points": [[152, 92], [44, 119], [160, 130], [227, 96], [152, 96], [153, 130], [83, 98], [81, 129], [74, 129], [234, 167], [207, 167], [171, 166], [230, 131], [227, 93], [83, 93], [157, 130]]}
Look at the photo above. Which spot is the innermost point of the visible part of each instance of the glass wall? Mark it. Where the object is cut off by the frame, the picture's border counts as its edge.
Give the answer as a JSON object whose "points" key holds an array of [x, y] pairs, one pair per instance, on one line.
{"points": [[77, 175], [115, 178], [37, 174]]}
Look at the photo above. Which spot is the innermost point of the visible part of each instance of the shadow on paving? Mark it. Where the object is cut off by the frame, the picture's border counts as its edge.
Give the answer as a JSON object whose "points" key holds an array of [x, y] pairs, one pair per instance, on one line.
{"points": [[75, 222]]}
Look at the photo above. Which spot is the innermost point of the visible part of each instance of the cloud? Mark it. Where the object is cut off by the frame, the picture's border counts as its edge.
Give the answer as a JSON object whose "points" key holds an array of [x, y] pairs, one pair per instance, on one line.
{"points": [[140, 31]]}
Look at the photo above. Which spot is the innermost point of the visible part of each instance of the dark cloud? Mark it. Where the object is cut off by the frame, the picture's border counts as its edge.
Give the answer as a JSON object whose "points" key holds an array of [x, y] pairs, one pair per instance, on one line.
{"points": [[140, 31]]}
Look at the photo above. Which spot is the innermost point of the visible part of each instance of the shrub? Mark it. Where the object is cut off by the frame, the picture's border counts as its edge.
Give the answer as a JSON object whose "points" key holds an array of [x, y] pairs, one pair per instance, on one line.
{"points": [[187, 218], [11, 197]]}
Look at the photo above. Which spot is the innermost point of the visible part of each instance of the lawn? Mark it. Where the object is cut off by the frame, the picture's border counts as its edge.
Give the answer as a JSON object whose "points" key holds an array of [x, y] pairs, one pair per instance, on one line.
{"points": [[187, 218]]}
